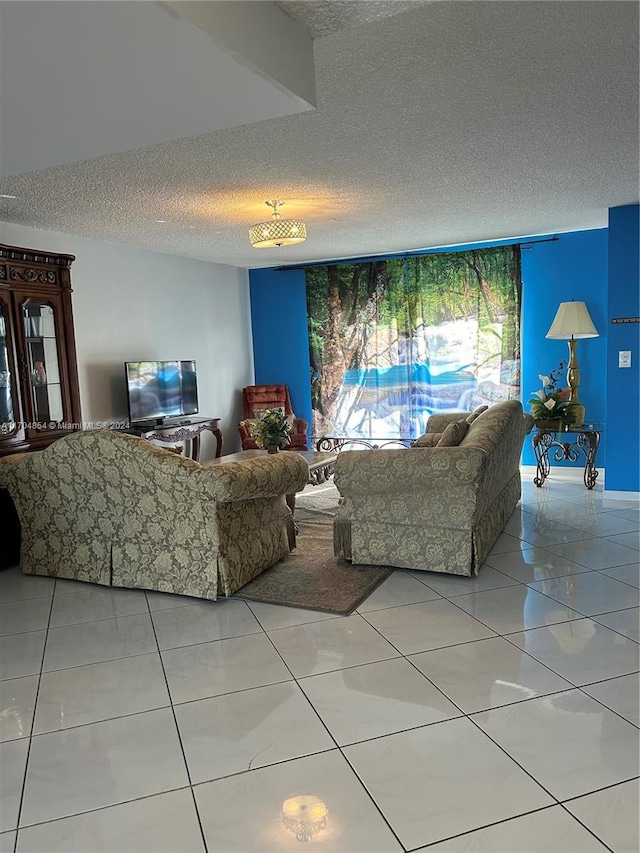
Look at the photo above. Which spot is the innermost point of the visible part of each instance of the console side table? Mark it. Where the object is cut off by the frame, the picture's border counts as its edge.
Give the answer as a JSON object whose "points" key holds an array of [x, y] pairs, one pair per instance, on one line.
{"points": [[568, 442], [184, 431]]}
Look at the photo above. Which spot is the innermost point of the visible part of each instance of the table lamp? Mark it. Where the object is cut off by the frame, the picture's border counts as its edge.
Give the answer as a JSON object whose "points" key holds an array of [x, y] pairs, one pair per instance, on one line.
{"points": [[572, 322]]}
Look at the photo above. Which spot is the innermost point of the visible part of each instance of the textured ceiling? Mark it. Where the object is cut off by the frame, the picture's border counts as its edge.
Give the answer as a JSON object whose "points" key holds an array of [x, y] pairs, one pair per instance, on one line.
{"points": [[448, 123]]}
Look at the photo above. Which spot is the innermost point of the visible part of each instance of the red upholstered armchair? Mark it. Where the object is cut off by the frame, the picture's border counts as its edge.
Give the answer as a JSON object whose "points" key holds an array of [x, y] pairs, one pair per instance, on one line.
{"points": [[256, 398]]}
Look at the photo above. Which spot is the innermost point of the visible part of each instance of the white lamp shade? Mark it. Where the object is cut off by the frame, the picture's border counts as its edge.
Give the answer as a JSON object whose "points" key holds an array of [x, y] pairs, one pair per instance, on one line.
{"points": [[572, 320]]}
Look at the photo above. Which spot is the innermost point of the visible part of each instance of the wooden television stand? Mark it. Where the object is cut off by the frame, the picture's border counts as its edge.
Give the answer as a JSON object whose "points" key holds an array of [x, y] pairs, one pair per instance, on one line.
{"points": [[189, 430]]}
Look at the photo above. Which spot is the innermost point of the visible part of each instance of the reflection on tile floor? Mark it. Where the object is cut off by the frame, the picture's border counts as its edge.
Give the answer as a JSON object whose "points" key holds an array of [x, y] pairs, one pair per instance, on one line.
{"points": [[447, 714]]}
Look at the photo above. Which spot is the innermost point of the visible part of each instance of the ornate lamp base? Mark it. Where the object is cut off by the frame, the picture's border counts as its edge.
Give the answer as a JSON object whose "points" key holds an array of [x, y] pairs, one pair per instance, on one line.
{"points": [[573, 378], [577, 410]]}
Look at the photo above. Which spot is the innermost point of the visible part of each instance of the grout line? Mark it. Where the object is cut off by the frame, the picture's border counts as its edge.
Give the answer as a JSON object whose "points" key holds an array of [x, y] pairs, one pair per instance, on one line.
{"points": [[498, 823], [604, 704], [142, 654], [372, 799], [100, 809], [33, 721], [584, 825], [179, 735], [100, 721], [511, 757], [328, 615], [303, 678]]}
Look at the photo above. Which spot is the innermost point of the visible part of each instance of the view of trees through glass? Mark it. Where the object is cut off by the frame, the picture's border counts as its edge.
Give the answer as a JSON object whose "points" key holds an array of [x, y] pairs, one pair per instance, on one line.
{"points": [[394, 341]]}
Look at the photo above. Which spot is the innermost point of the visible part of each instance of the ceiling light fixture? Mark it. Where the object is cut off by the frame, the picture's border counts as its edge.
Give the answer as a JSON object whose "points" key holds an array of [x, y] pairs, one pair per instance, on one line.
{"points": [[279, 232]]}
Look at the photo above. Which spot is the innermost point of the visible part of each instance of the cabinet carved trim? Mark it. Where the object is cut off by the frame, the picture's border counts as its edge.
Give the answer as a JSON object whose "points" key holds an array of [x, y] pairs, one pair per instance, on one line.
{"points": [[31, 275], [33, 256]]}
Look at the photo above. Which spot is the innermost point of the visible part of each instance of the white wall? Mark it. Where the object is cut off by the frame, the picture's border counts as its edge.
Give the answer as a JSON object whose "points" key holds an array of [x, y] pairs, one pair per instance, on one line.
{"points": [[131, 304]]}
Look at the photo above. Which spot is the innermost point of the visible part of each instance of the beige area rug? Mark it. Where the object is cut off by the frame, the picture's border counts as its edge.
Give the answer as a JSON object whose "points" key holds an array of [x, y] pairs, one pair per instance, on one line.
{"points": [[310, 577]]}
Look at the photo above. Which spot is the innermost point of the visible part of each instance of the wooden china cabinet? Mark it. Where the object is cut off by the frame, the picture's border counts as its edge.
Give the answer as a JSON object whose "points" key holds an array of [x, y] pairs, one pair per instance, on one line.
{"points": [[39, 395]]}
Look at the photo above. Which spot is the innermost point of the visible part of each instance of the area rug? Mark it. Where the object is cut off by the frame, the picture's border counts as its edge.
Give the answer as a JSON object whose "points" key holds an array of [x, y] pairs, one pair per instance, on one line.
{"points": [[310, 577]]}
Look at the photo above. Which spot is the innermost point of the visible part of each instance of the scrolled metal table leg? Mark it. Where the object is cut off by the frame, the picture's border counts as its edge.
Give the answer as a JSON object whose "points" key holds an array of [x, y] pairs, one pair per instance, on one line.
{"points": [[590, 470], [541, 449]]}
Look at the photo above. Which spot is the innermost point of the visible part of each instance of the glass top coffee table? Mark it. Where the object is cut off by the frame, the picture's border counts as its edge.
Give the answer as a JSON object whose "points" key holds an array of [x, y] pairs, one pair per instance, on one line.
{"points": [[341, 441], [320, 462]]}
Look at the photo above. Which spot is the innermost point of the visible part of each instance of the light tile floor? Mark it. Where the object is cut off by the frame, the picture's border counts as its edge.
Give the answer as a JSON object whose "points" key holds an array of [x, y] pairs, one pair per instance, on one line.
{"points": [[448, 714]]}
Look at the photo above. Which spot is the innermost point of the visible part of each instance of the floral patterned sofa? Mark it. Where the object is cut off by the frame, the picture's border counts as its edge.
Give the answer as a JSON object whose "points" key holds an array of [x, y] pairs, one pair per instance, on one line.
{"points": [[434, 508], [114, 509]]}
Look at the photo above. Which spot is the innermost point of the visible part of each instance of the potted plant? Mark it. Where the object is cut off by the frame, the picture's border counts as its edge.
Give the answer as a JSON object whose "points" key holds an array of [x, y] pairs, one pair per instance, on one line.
{"points": [[550, 406], [272, 431]]}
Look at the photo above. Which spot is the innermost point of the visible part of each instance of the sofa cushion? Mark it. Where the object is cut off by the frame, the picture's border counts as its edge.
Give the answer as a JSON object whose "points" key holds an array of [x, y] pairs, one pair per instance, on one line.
{"points": [[487, 431], [471, 418], [453, 434], [429, 439], [250, 424]]}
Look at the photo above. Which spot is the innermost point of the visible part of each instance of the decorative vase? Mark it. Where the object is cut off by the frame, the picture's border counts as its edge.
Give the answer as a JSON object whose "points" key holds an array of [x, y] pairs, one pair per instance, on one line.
{"points": [[272, 448]]}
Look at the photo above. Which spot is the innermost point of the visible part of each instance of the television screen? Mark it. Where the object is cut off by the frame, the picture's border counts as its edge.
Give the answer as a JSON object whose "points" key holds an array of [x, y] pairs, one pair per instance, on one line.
{"points": [[161, 389]]}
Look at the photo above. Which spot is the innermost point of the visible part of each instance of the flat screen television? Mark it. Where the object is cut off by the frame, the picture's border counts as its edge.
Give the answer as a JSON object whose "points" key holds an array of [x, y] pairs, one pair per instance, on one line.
{"points": [[161, 389]]}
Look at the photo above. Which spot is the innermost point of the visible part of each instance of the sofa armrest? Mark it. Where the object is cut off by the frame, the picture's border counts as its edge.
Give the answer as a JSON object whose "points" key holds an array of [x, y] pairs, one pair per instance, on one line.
{"points": [[416, 469], [299, 426], [7, 464], [260, 477]]}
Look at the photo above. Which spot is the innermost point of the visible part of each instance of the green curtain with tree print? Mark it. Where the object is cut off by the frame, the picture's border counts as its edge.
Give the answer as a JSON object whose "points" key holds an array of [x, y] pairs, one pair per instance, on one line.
{"points": [[394, 341]]}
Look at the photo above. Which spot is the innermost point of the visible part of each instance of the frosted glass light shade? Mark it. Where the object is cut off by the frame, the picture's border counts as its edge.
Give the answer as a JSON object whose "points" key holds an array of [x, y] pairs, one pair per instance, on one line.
{"points": [[572, 321], [279, 232]]}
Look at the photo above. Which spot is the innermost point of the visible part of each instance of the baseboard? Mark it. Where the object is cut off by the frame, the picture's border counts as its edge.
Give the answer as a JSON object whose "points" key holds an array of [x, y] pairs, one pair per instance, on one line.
{"points": [[563, 474]]}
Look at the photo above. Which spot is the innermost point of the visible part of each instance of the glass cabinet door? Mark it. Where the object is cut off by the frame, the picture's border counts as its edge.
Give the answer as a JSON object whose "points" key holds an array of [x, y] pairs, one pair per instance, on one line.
{"points": [[7, 415], [43, 365]]}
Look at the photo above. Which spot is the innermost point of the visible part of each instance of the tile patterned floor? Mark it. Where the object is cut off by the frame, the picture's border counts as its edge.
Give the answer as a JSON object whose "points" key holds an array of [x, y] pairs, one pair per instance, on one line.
{"points": [[448, 714]]}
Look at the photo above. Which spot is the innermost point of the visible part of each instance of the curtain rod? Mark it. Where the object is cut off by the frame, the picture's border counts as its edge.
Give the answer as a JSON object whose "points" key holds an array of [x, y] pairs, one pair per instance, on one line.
{"points": [[403, 255], [528, 243]]}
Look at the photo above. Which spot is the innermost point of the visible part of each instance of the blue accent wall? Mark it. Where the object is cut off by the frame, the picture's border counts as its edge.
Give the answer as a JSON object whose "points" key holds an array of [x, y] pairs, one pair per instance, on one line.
{"points": [[623, 390], [598, 267], [280, 337], [573, 267]]}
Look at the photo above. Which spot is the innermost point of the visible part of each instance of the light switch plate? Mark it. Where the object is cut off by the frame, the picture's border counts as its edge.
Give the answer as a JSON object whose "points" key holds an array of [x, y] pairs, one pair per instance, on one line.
{"points": [[624, 358]]}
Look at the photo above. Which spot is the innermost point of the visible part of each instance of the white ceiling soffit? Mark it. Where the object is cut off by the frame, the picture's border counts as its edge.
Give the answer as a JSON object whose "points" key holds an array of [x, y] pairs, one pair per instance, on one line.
{"points": [[449, 123], [85, 79], [260, 35]]}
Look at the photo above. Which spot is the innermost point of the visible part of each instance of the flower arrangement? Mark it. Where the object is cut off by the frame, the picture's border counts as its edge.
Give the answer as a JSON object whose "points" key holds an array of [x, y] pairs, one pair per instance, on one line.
{"points": [[272, 430], [551, 402]]}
